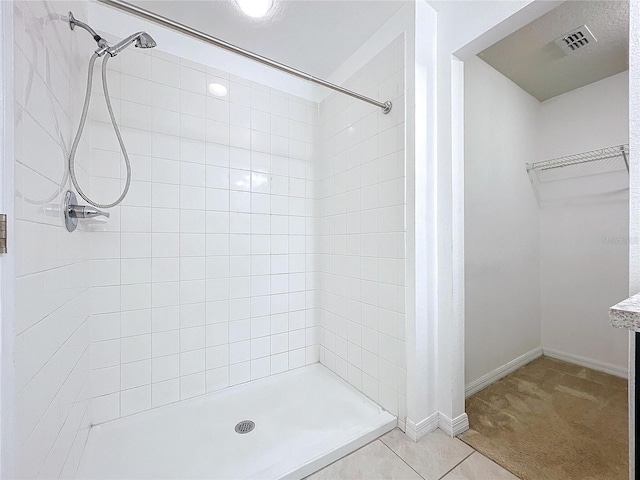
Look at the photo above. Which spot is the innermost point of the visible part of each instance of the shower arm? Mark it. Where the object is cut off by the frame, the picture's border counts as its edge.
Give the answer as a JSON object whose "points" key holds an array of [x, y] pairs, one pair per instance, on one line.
{"points": [[102, 43], [192, 32]]}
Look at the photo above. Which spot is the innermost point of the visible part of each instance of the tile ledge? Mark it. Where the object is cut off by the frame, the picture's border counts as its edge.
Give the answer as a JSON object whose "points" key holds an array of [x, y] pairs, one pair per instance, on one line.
{"points": [[626, 314]]}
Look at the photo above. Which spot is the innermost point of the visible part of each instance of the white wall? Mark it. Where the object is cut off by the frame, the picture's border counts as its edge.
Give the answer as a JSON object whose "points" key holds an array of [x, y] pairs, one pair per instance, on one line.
{"points": [[591, 117], [634, 208], [549, 287], [52, 267], [362, 232], [204, 277], [584, 257], [459, 23], [502, 276]]}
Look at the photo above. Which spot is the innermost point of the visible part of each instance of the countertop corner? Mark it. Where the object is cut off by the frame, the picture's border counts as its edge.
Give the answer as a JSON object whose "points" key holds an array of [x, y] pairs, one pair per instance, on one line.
{"points": [[626, 314]]}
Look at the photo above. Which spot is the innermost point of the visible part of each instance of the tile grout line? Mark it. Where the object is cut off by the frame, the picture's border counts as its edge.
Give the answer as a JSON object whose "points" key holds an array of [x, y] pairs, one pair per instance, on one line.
{"points": [[457, 464], [342, 458], [489, 458], [402, 459]]}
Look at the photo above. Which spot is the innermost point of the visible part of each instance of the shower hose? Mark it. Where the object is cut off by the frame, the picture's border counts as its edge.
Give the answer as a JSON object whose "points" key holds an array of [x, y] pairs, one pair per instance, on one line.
{"points": [[83, 120]]}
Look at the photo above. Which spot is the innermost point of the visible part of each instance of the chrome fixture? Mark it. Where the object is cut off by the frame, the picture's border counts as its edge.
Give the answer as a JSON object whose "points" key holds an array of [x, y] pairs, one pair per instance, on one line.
{"points": [[141, 40], [73, 22], [179, 27], [72, 211]]}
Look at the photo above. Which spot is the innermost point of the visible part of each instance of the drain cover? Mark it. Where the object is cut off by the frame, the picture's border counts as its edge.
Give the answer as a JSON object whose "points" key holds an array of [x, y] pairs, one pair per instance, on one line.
{"points": [[245, 426]]}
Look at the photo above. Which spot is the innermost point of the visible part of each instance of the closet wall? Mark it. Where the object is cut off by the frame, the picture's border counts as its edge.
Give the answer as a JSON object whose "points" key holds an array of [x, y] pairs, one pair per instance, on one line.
{"points": [[502, 300], [540, 277], [584, 239]]}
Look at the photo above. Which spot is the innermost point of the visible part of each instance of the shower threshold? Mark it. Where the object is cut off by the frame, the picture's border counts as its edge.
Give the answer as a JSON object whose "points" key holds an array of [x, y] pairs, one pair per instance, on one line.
{"points": [[304, 420]]}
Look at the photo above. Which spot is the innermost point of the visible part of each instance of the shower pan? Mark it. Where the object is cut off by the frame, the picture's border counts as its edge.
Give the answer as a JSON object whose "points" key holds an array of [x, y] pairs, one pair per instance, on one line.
{"points": [[304, 420]]}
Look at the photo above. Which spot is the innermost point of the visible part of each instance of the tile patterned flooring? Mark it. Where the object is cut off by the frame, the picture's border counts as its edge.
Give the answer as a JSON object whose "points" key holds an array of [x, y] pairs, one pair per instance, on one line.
{"points": [[435, 457]]}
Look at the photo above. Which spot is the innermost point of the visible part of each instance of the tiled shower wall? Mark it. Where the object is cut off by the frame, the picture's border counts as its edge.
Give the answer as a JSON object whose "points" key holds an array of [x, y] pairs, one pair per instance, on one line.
{"points": [[52, 266], [203, 278], [362, 233]]}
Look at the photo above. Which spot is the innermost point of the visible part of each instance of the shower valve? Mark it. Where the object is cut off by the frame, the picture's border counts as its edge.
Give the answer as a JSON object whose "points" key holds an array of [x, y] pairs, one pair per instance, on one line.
{"points": [[72, 211], [84, 211]]}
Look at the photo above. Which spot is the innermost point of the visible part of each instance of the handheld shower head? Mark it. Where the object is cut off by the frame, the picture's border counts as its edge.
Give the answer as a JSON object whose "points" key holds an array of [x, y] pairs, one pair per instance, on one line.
{"points": [[145, 41], [141, 39]]}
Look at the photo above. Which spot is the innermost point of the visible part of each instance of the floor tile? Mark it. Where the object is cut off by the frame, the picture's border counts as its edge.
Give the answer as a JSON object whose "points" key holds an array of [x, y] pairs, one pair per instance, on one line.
{"points": [[432, 456], [374, 461], [479, 467]]}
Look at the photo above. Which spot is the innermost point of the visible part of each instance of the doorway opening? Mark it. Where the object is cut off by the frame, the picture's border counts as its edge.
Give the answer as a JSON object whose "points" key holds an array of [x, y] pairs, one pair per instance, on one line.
{"points": [[546, 243]]}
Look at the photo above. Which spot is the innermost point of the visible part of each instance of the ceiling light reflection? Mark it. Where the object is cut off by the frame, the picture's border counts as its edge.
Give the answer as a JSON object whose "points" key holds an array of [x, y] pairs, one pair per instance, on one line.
{"points": [[255, 8]]}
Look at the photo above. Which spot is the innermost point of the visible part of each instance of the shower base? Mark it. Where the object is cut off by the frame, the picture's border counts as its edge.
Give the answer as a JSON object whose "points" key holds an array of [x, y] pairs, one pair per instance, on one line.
{"points": [[304, 420]]}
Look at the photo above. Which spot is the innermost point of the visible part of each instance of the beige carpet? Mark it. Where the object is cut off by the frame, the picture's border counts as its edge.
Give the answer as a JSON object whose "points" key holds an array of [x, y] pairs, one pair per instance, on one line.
{"points": [[553, 420]]}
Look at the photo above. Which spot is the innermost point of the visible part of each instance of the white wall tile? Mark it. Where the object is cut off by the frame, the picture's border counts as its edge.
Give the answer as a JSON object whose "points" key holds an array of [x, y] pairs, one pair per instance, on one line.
{"points": [[207, 286], [361, 205], [135, 400], [163, 393]]}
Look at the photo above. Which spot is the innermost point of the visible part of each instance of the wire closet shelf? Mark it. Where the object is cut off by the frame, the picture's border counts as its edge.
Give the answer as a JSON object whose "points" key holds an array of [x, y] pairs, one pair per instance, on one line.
{"points": [[587, 176], [609, 153]]}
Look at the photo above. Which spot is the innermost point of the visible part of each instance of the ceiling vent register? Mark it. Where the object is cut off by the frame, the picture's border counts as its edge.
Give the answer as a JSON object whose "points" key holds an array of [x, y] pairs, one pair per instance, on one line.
{"points": [[576, 39]]}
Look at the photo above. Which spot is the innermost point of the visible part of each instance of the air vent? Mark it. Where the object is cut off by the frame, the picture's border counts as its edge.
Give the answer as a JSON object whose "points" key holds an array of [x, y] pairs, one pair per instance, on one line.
{"points": [[576, 39]]}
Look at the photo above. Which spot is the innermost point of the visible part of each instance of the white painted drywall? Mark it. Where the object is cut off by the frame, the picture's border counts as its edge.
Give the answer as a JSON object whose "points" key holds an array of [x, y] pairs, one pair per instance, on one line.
{"points": [[461, 25], [502, 304], [587, 118], [584, 259], [634, 206], [550, 287]]}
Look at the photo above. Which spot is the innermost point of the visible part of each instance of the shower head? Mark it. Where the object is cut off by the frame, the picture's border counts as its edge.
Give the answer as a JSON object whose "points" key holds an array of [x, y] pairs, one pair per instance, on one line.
{"points": [[141, 39], [145, 41]]}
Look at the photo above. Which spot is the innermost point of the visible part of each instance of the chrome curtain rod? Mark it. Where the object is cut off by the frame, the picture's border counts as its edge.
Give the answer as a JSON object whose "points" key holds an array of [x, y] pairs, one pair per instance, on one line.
{"points": [[153, 17]]}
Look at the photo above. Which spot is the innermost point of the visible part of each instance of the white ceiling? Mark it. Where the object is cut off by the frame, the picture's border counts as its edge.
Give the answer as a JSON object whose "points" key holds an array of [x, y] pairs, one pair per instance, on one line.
{"points": [[316, 36], [531, 59]]}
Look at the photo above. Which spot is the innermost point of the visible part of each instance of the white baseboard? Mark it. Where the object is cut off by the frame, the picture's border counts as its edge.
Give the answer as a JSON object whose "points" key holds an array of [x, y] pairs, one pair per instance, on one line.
{"points": [[455, 426], [587, 362], [491, 377], [415, 431]]}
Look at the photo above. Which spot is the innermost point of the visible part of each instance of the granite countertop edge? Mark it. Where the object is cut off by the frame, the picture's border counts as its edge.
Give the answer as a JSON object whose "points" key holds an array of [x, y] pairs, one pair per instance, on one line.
{"points": [[626, 314]]}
